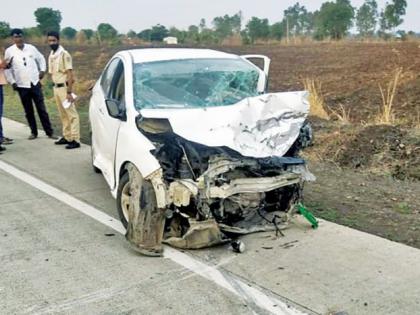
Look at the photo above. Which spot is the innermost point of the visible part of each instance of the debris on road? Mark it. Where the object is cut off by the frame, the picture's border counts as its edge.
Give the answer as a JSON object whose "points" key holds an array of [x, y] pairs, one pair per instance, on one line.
{"points": [[308, 215], [237, 246]]}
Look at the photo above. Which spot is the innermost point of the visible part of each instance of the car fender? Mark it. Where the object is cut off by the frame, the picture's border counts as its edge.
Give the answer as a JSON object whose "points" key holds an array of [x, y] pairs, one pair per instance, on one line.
{"points": [[133, 147]]}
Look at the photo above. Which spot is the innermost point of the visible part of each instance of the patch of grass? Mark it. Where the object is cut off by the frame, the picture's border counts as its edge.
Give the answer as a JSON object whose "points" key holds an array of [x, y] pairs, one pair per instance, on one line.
{"points": [[403, 208], [316, 100], [386, 115], [342, 114], [323, 212]]}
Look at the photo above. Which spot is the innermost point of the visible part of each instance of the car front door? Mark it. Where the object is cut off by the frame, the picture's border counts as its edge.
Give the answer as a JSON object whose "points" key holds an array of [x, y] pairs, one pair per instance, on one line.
{"points": [[264, 70], [105, 127]]}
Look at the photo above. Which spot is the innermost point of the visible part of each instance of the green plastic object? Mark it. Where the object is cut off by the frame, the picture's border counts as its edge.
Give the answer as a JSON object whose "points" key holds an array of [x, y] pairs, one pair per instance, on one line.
{"points": [[308, 215]]}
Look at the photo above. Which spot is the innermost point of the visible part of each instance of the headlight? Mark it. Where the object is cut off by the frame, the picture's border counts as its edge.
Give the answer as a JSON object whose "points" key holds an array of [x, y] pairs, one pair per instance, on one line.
{"points": [[153, 125], [306, 136]]}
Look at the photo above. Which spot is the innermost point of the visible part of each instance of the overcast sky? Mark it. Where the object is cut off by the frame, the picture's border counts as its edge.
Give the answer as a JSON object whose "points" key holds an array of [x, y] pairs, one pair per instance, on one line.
{"points": [[140, 14]]}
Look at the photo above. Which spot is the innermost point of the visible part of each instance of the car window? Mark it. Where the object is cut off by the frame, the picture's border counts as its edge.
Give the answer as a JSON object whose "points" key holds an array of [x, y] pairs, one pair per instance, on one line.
{"points": [[117, 88], [108, 76], [193, 83]]}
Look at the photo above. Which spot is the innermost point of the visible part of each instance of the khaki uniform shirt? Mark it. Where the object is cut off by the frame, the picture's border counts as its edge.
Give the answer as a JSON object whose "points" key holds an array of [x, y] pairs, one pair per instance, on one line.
{"points": [[58, 63]]}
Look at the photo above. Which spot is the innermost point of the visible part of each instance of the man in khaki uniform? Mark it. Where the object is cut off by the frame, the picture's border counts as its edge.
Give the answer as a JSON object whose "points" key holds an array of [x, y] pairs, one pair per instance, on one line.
{"points": [[61, 69]]}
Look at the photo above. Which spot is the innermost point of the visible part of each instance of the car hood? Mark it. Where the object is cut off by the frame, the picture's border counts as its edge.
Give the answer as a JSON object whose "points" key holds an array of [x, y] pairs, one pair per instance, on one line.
{"points": [[261, 126]]}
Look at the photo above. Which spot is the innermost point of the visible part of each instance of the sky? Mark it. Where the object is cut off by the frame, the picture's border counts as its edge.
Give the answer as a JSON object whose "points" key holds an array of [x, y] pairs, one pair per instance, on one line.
{"points": [[137, 15]]}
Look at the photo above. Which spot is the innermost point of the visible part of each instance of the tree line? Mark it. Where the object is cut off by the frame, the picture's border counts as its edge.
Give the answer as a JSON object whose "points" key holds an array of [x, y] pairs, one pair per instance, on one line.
{"points": [[333, 20]]}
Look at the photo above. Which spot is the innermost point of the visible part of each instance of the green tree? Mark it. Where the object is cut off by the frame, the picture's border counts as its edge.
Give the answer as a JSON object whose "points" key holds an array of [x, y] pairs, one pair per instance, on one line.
{"points": [[145, 35], [68, 32], [334, 19], [297, 19], [225, 26], [4, 29], [391, 16], [258, 29], [32, 32], [88, 33], [179, 34], [193, 34], [48, 19], [277, 30], [106, 32], [158, 33], [367, 18], [202, 24], [208, 36]]}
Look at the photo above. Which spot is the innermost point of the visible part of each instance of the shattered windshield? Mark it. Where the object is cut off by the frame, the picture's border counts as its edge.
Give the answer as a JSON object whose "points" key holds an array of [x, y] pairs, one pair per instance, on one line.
{"points": [[193, 83]]}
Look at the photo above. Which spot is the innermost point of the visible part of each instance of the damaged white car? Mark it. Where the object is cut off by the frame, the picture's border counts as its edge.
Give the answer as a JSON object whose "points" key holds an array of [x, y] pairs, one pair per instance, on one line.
{"points": [[194, 149]]}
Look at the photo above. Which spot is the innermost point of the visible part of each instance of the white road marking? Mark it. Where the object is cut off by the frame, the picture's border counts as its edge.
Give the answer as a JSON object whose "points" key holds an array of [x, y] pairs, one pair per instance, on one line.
{"points": [[222, 278]]}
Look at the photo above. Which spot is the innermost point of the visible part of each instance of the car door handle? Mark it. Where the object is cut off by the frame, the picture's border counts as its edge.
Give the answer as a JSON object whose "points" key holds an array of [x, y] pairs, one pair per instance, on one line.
{"points": [[101, 110]]}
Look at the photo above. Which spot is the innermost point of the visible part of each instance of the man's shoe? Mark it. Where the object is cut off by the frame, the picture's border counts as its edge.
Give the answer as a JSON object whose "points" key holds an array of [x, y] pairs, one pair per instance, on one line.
{"points": [[2, 148], [62, 140], [73, 145], [52, 137], [7, 141], [32, 137]]}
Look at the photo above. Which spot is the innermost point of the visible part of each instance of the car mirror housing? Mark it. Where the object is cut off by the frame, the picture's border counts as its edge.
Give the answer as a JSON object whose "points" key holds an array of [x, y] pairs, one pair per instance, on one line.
{"points": [[115, 110]]}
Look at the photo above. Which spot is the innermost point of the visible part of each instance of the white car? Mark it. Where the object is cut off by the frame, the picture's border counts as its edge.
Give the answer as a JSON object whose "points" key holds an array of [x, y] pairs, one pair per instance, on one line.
{"points": [[194, 149]]}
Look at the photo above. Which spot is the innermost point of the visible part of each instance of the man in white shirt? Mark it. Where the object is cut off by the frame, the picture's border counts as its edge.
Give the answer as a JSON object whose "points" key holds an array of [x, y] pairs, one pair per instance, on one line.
{"points": [[27, 68]]}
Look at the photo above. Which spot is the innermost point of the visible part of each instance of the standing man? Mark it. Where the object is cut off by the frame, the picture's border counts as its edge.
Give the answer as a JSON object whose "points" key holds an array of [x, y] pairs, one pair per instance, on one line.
{"points": [[61, 69], [27, 68]]}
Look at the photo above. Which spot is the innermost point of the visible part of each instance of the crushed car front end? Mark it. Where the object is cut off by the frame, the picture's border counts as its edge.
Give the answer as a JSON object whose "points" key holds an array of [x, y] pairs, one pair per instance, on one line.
{"points": [[229, 160]]}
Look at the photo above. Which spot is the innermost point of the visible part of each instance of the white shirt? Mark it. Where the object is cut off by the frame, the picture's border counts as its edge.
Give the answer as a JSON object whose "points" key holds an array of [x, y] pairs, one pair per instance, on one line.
{"points": [[26, 65]]}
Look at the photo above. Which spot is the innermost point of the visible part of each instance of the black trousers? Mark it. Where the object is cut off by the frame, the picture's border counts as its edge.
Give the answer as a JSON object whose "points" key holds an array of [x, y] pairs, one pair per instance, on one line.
{"points": [[34, 94]]}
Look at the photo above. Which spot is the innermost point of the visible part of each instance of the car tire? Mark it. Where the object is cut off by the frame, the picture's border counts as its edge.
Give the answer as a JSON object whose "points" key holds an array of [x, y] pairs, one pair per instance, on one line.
{"points": [[123, 188], [147, 197]]}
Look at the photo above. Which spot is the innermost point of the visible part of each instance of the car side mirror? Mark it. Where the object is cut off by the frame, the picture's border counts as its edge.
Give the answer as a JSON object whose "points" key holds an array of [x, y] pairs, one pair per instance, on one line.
{"points": [[115, 110]]}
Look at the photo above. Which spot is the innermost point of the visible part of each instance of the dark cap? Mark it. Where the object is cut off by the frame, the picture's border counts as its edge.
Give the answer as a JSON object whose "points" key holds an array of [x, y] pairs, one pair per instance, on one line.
{"points": [[16, 31]]}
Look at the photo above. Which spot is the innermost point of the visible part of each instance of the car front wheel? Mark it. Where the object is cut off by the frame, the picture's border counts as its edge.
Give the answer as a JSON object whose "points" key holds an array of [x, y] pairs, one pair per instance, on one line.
{"points": [[123, 198]]}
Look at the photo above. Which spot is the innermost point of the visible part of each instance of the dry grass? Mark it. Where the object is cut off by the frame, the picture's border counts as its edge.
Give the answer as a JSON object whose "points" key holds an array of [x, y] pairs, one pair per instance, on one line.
{"points": [[329, 145], [386, 114], [417, 120], [316, 100], [341, 114]]}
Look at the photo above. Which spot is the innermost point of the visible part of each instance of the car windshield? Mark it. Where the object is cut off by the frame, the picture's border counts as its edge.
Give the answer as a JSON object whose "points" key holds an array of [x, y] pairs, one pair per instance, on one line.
{"points": [[193, 83]]}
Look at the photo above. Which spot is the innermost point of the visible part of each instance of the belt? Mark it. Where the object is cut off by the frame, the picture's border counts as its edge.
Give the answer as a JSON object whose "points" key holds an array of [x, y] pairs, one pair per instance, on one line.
{"points": [[60, 85]]}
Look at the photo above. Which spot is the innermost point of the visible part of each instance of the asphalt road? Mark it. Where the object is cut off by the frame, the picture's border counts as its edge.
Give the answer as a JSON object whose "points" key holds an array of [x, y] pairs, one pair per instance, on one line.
{"points": [[63, 251]]}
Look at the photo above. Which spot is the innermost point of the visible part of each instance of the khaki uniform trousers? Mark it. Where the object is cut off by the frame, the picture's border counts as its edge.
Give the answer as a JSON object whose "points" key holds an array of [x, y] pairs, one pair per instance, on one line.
{"points": [[69, 116]]}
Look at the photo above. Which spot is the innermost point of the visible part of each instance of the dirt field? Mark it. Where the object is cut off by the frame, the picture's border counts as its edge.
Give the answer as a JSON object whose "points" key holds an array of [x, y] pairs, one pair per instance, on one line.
{"points": [[367, 174]]}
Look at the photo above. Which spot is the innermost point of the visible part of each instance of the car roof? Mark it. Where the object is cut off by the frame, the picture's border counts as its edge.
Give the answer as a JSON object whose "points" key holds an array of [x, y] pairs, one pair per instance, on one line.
{"points": [[160, 54]]}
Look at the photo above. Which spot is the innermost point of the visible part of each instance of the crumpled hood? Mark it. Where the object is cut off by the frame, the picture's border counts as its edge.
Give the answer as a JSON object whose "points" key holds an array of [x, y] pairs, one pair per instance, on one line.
{"points": [[261, 126]]}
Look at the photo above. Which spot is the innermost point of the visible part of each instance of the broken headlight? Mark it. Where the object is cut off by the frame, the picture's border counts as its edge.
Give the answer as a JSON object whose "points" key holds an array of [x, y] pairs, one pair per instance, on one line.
{"points": [[153, 125], [306, 136], [304, 140]]}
